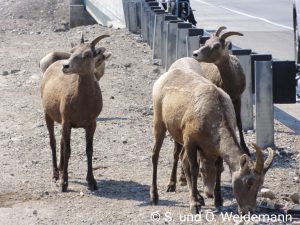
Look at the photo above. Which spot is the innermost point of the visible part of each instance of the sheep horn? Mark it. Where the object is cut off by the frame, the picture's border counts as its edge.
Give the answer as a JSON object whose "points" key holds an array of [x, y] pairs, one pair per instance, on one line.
{"points": [[226, 35], [82, 38], [259, 164], [97, 39], [269, 160], [218, 32]]}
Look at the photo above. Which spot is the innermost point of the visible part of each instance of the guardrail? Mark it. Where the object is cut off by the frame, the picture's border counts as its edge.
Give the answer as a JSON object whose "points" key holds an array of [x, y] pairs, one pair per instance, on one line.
{"points": [[271, 81]]}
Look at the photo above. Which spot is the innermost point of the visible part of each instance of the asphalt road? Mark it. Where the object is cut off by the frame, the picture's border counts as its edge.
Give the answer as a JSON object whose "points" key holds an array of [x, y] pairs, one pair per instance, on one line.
{"points": [[266, 24]]}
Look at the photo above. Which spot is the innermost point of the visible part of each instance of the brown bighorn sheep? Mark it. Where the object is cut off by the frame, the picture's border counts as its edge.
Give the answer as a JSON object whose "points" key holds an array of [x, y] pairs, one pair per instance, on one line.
{"points": [[71, 96], [200, 117], [52, 57], [225, 71]]}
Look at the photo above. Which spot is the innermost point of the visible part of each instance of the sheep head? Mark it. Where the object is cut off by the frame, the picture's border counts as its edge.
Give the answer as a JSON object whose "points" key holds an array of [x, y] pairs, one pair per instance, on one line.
{"points": [[215, 48], [247, 181], [84, 57]]}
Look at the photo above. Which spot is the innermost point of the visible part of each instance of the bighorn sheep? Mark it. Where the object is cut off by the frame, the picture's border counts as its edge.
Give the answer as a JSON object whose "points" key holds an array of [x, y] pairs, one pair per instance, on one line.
{"points": [[71, 96], [200, 117], [225, 71], [52, 57]]}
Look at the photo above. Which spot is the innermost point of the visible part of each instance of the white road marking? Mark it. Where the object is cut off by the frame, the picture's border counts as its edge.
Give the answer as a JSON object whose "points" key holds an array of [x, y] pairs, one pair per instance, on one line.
{"points": [[247, 15]]}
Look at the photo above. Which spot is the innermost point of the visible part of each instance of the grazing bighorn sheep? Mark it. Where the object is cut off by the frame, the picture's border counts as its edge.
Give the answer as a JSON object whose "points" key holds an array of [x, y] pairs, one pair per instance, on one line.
{"points": [[71, 96], [200, 117], [52, 57], [225, 71]]}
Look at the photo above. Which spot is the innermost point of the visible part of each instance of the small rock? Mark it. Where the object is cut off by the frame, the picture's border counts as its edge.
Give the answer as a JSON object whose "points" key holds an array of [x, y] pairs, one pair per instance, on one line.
{"points": [[124, 140], [14, 71], [5, 73], [295, 197], [296, 180], [267, 193], [112, 97], [25, 181], [81, 194], [34, 212], [156, 70], [127, 65], [38, 32], [46, 193]]}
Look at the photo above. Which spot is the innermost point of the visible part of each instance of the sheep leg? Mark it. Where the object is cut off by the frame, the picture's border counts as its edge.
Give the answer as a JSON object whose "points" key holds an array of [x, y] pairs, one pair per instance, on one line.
{"points": [[50, 127], [66, 135], [90, 130], [172, 182], [191, 169], [237, 108], [217, 192], [159, 135], [61, 160]]}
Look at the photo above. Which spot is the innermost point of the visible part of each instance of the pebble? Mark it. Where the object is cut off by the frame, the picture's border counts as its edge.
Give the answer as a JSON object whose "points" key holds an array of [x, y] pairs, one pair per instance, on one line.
{"points": [[112, 97], [267, 193], [295, 197], [5, 73], [81, 194], [127, 65], [156, 70], [34, 212], [14, 71]]}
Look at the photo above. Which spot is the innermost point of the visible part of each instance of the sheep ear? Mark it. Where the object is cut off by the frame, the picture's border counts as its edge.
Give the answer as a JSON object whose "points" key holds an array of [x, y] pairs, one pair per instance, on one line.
{"points": [[107, 55], [100, 50]]}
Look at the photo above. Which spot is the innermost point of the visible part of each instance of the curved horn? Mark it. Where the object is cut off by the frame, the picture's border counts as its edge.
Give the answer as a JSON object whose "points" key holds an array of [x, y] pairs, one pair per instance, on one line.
{"points": [[226, 35], [97, 39], [82, 38], [269, 160], [218, 32], [259, 164]]}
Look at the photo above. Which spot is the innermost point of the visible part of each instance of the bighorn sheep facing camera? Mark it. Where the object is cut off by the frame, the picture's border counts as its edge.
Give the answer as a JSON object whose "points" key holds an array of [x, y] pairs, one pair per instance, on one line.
{"points": [[200, 117], [71, 96], [52, 57]]}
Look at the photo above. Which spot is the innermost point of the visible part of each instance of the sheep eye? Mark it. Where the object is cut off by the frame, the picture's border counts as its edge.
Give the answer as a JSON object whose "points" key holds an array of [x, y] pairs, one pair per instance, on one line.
{"points": [[216, 46], [250, 182]]}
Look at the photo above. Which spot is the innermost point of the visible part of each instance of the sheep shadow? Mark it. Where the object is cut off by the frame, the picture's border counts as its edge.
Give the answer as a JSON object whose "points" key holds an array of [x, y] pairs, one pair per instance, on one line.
{"points": [[110, 119], [125, 190]]}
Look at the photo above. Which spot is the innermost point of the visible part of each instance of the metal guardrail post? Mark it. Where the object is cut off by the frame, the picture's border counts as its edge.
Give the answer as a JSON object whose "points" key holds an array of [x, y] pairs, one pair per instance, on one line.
{"points": [[132, 17], [157, 34], [203, 39], [152, 24], [181, 40], [171, 41], [148, 15], [264, 104], [244, 56], [144, 23], [257, 57], [192, 41]]}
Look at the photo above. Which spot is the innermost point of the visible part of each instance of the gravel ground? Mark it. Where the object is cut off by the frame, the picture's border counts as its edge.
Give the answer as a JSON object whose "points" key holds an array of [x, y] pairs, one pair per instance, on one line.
{"points": [[123, 139]]}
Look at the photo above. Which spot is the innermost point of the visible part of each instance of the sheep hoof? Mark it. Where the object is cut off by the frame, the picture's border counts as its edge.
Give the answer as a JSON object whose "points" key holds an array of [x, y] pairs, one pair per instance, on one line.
{"points": [[55, 175], [93, 186], [171, 187], [64, 186], [195, 209], [154, 201], [200, 199]]}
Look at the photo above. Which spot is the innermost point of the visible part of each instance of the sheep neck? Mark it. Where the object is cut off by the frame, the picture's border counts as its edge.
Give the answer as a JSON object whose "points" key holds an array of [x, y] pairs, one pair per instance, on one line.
{"points": [[229, 148], [225, 69]]}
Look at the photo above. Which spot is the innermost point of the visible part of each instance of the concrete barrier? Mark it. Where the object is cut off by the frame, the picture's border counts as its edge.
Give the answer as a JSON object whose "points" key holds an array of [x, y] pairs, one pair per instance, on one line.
{"points": [[78, 14], [107, 13], [244, 56], [264, 104]]}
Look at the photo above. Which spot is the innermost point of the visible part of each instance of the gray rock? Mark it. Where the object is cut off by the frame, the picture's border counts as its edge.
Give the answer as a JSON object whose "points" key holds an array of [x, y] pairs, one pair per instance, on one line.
{"points": [[295, 197], [5, 73], [127, 65], [267, 193], [34, 212], [15, 71]]}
